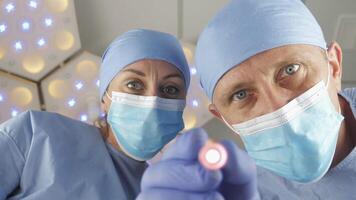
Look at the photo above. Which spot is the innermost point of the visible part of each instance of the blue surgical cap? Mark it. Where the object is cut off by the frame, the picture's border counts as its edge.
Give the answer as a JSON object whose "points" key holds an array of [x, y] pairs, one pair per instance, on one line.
{"points": [[139, 44], [245, 28]]}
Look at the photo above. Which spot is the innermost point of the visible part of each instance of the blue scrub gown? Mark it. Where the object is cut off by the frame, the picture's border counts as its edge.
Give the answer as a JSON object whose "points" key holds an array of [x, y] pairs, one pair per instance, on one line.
{"points": [[338, 184], [48, 156]]}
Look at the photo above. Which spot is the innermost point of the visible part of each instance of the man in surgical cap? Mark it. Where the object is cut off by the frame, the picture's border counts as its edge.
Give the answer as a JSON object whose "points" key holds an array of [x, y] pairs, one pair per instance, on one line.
{"points": [[275, 82]]}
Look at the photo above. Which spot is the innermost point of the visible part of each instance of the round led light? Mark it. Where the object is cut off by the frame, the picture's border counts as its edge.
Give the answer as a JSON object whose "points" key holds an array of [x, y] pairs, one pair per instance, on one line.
{"points": [[64, 40], [2, 52], [213, 156], [58, 89], [57, 5], [33, 63], [87, 69], [21, 96]]}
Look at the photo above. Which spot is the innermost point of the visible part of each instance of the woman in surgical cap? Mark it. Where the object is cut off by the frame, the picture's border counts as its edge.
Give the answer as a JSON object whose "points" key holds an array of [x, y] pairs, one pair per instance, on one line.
{"points": [[143, 83]]}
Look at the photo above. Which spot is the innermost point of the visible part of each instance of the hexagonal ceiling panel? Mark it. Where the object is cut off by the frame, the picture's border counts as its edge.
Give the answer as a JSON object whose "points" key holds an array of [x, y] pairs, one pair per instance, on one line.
{"points": [[73, 90], [36, 36], [16, 95]]}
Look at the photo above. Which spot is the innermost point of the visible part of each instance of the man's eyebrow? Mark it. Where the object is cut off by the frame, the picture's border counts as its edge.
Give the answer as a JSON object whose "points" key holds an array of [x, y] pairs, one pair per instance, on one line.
{"points": [[290, 59], [134, 71]]}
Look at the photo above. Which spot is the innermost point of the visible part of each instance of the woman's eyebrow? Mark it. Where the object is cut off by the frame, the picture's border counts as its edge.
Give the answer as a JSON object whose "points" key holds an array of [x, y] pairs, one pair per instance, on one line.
{"points": [[135, 72], [176, 75]]}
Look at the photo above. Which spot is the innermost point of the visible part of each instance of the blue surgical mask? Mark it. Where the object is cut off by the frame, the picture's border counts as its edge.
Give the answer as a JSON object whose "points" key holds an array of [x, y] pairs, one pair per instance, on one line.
{"points": [[297, 141], [142, 125]]}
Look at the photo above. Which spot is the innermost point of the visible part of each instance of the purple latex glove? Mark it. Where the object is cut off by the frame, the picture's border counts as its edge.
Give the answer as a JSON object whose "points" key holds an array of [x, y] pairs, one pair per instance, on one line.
{"points": [[180, 176]]}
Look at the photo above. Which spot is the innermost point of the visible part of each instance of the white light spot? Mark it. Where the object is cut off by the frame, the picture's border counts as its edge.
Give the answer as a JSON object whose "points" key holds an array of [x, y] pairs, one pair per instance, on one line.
{"points": [[1, 98], [14, 113], [33, 4], [195, 103], [79, 85], [48, 22], [98, 83], [26, 25], [84, 118], [41, 42], [18, 46], [193, 70], [212, 156], [10, 7], [71, 103], [3, 28]]}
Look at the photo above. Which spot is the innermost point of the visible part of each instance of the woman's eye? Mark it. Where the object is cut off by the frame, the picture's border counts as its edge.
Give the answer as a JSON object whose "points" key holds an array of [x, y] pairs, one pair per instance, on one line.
{"points": [[290, 69], [170, 90], [135, 85], [240, 95]]}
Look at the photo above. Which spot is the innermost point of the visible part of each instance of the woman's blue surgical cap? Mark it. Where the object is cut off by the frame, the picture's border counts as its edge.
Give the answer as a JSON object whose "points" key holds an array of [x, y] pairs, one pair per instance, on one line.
{"points": [[139, 44], [245, 28]]}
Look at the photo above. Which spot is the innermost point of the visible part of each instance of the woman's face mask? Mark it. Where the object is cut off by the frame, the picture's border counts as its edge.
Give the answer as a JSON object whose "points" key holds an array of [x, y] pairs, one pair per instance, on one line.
{"points": [[143, 125], [144, 106]]}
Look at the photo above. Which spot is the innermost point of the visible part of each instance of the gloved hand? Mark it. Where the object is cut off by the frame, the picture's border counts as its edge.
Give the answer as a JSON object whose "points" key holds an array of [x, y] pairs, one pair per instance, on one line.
{"points": [[180, 176]]}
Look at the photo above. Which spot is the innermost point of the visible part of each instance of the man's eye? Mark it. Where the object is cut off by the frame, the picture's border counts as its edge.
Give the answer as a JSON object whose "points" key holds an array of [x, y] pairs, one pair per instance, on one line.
{"points": [[290, 69], [135, 85], [240, 95], [170, 90]]}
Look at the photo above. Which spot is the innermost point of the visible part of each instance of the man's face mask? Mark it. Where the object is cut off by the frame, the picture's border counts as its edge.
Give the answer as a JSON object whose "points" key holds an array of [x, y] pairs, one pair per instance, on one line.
{"points": [[297, 141]]}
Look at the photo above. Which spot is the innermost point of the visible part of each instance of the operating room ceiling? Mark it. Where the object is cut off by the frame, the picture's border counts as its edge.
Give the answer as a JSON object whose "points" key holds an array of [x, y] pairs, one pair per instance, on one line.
{"points": [[101, 21]]}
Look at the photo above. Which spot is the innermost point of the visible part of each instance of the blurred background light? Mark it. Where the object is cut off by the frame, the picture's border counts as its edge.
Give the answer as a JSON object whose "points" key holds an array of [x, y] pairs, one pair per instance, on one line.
{"points": [[26, 25], [14, 113], [48, 22], [71, 102], [84, 118], [18, 45], [41, 42], [21, 96], [64, 40], [3, 27], [79, 85], [57, 5], [33, 63], [33, 4], [2, 52], [10, 7]]}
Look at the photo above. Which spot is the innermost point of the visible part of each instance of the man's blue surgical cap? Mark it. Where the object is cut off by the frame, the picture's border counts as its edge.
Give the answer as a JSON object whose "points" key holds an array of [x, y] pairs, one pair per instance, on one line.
{"points": [[245, 28], [139, 44]]}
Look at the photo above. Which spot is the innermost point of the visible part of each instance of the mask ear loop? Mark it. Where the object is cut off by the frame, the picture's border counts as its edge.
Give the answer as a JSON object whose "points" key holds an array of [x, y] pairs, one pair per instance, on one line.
{"points": [[328, 80], [107, 95], [329, 73], [230, 126]]}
